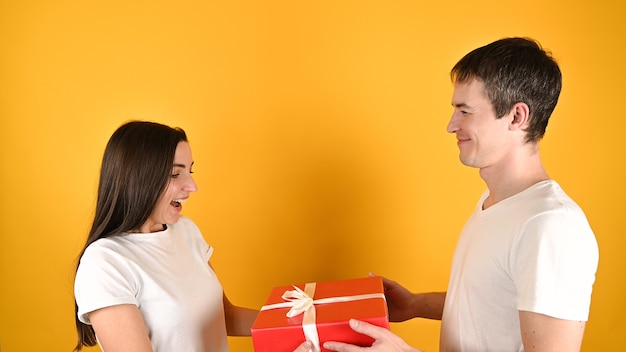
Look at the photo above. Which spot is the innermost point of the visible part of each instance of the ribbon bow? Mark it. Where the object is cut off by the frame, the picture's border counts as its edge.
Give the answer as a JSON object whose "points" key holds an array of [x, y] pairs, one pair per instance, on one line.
{"points": [[301, 301]]}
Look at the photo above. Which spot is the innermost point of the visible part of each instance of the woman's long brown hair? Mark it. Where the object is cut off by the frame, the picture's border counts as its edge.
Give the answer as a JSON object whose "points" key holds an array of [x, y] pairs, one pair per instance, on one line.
{"points": [[135, 171]]}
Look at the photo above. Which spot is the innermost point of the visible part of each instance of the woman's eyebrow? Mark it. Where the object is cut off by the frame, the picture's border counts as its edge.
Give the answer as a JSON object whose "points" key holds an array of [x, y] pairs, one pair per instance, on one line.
{"points": [[183, 165]]}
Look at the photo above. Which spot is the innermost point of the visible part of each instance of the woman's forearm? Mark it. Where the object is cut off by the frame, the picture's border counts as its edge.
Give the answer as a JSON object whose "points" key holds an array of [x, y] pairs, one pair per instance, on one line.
{"points": [[239, 320]]}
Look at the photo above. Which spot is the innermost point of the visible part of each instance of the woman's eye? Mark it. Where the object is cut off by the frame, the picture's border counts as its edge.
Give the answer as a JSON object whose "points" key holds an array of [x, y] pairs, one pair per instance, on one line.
{"points": [[175, 175]]}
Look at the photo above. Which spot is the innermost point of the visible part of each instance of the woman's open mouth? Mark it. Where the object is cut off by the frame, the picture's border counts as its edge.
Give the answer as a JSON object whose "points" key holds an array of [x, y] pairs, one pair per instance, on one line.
{"points": [[178, 203]]}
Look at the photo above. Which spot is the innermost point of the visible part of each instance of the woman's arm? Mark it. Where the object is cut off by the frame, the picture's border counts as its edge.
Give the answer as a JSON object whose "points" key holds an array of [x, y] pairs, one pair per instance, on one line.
{"points": [[120, 328], [239, 320]]}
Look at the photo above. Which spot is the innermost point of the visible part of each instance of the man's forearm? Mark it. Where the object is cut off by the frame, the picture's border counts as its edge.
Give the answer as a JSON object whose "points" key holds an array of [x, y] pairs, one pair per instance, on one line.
{"points": [[429, 305]]}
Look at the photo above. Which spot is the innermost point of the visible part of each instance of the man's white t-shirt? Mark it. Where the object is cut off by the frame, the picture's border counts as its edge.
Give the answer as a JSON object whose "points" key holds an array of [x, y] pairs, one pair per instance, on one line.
{"points": [[167, 276], [534, 251]]}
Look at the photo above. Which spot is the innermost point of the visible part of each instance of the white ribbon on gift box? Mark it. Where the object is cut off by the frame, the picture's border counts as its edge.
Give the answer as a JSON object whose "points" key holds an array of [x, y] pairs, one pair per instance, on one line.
{"points": [[301, 301]]}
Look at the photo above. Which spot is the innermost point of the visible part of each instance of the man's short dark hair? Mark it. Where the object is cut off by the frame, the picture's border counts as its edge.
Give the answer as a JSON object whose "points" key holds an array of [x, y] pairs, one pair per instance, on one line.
{"points": [[515, 70]]}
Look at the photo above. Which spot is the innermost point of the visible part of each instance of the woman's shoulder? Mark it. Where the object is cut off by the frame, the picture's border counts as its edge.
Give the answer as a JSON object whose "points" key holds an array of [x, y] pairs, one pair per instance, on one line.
{"points": [[186, 231], [185, 224], [187, 228], [108, 248], [106, 243], [185, 221]]}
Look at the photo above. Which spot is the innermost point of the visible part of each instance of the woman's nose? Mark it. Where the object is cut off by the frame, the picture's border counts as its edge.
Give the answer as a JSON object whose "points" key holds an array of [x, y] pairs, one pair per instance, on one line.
{"points": [[190, 185]]}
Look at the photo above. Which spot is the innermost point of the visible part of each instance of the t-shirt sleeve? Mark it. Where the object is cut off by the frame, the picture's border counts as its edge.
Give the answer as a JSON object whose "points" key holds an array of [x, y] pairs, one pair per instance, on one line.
{"points": [[554, 265], [103, 279]]}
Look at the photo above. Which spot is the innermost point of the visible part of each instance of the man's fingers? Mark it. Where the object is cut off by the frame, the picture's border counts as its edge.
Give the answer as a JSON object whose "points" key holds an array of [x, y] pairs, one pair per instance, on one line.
{"points": [[304, 347], [342, 347], [361, 327], [373, 331], [384, 340]]}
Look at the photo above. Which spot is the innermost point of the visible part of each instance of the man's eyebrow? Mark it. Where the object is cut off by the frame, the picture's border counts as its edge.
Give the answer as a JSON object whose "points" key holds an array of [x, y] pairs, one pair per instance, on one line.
{"points": [[461, 105]]}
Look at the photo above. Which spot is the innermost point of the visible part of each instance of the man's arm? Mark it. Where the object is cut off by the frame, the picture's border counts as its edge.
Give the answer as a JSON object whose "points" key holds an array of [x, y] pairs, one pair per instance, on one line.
{"points": [[544, 333], [404, 305], [430, 305]]}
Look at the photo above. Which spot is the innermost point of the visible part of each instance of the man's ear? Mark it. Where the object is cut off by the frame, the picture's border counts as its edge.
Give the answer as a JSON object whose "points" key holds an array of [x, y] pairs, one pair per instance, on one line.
{"points": [[520, 116]]}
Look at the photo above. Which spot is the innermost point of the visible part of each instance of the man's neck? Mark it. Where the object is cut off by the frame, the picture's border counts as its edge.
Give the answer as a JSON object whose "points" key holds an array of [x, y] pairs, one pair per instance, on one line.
{"points": [[508, 179]]}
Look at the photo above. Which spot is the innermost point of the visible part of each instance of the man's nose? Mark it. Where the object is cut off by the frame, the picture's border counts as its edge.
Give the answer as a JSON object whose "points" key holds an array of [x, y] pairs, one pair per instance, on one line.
{"points": [[453, 123]]}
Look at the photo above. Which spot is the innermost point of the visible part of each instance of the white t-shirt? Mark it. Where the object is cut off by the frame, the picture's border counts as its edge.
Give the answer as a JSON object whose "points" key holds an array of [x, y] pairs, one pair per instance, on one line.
{"points": [[167, 276], [534, 251]]}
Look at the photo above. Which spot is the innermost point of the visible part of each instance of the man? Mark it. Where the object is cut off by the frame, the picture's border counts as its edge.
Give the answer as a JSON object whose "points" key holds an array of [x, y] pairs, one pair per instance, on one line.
{"points": [[526, 259]]}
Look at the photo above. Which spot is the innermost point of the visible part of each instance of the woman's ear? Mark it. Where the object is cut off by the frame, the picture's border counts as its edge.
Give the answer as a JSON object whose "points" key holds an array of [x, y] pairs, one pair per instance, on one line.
{"points": [[520, 116]]}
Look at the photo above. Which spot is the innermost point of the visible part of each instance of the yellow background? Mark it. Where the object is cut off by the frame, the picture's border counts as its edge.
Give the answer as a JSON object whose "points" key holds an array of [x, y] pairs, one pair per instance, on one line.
{"points": [[318, 130]]}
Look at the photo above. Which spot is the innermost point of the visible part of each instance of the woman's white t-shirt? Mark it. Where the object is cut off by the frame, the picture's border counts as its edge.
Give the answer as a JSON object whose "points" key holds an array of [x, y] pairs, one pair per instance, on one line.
{"points": [[167, 276]]}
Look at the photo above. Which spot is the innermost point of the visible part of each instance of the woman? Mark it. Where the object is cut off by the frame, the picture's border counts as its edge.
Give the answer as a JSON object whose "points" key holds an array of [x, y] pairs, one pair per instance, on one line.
{"points": [[144, 281]]}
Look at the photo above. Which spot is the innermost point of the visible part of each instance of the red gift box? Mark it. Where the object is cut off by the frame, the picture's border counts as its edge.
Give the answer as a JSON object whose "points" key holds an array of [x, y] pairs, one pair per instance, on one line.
{"points": [[331, 304]]}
